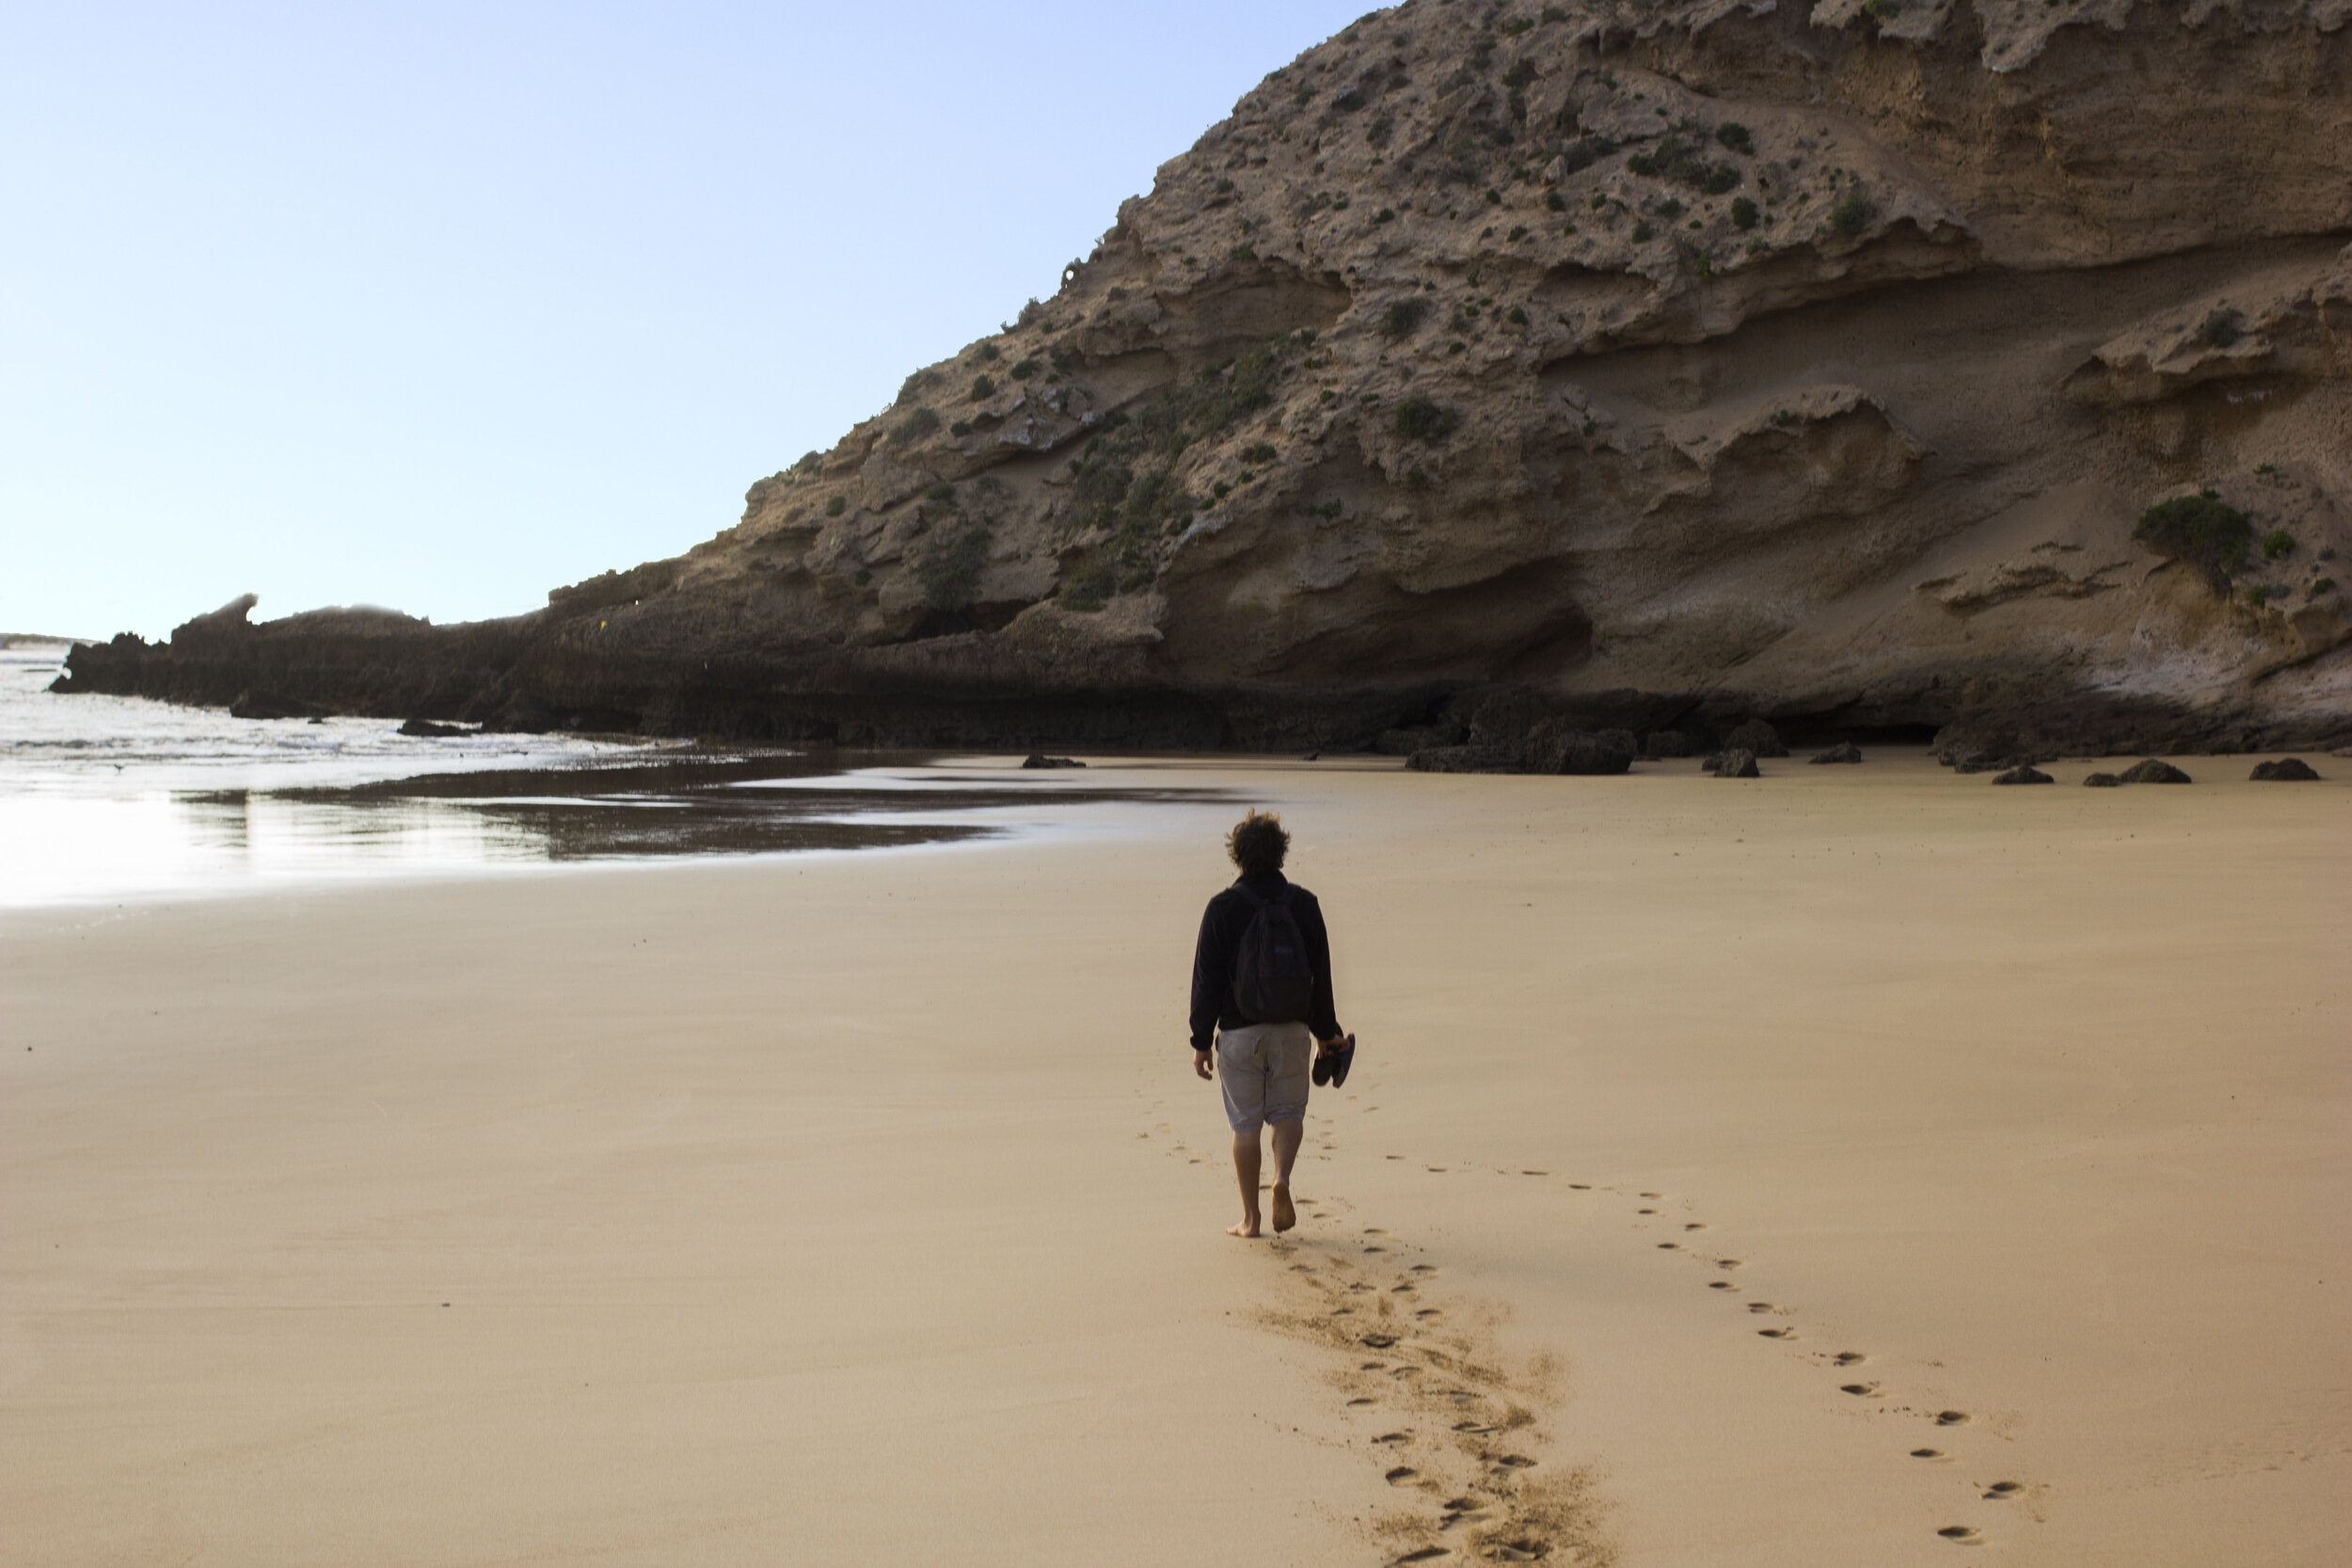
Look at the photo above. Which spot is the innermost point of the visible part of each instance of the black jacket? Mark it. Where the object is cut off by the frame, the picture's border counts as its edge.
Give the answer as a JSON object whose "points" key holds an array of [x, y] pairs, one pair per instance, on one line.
{"points": [[1221, 927]]}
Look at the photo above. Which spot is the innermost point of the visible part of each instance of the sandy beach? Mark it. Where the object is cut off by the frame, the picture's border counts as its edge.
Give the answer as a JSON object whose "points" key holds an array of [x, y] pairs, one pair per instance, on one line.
{"points": [[863, 1206]]}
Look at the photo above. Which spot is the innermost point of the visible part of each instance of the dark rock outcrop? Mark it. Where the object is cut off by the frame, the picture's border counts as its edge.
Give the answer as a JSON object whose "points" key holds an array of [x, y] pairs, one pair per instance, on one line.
{"points": [[1038, 759], [2154, 771], [1757, 739], [1737, 762], [2285, 770], [2101, 781], [427, 729], [1845, 751], [2024, 773]]}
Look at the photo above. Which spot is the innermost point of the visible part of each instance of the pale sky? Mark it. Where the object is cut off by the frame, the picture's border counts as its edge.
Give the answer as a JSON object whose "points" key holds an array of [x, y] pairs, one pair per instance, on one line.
{"points": [[441, 305]]}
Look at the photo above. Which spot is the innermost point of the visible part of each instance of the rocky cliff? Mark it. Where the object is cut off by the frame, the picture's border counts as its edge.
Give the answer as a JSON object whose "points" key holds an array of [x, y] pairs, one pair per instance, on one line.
{"points": [[1657, 364]]}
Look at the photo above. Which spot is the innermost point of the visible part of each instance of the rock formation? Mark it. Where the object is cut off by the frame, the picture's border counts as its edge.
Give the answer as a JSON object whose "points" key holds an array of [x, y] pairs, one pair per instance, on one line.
{"points": [[1650, 365]]}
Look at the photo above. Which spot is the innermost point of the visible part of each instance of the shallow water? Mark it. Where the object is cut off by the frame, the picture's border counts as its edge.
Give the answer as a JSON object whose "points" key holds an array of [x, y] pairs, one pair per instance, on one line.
{"points": [[107, 798]]}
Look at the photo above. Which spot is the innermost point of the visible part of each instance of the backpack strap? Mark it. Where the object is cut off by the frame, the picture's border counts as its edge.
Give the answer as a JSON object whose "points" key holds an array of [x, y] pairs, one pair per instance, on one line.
{"points": [[1281, 900]]}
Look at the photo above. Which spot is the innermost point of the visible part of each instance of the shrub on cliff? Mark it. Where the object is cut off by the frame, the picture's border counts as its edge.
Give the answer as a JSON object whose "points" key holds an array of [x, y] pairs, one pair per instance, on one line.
{"points": [[950, 568], [922, 423], [1404, 315], [2202, 530], [1419, 418], [1853, 214]]}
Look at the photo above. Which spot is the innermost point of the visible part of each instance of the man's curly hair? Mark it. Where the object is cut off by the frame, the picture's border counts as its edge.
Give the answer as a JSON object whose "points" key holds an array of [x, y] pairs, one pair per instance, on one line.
{"points": [[1258, 843]]}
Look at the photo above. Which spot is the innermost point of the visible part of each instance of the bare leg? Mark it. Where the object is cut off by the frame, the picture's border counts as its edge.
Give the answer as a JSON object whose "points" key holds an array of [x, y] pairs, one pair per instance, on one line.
{"points": [[1246, 1159], [1288, 1136]]}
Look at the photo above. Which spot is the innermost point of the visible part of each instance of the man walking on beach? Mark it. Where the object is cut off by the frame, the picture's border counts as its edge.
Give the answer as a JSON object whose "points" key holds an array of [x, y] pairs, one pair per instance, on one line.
{"points": [[1262, 988]]}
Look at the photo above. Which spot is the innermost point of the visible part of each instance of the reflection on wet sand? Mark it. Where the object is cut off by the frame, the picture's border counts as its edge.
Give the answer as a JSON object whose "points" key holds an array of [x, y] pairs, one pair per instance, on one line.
{"points": [[669, 806]]}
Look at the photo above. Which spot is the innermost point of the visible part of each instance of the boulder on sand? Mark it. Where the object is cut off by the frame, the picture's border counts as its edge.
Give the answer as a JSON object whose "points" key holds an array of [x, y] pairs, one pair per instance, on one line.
{"points": [[2101, 781], [1038, 759], [1845, 751], [2284, 770], [427, 729], [1757, 738], [1738, 762], [2154, 771], [1555, 746], [269, 704], [2024, 772], [1464, 759]]}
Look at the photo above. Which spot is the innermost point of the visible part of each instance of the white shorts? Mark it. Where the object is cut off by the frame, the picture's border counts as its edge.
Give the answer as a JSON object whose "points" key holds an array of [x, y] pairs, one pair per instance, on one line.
{"points": [[1264, 1070]]}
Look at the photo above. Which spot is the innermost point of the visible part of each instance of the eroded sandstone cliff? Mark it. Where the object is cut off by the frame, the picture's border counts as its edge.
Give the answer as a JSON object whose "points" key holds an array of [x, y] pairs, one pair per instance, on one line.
{"points": [[1671, 362]]}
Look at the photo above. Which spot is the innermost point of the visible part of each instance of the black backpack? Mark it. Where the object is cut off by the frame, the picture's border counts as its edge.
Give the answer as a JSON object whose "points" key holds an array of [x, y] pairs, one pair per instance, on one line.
{"points": [[1273, 982]]}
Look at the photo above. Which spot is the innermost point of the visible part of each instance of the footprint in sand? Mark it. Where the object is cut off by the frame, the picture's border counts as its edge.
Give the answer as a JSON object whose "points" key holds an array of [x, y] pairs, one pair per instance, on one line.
{"points": [[1864, 1390], [1777, 1333], [1423, 1268], [1361, 1401], [1720, 1284], [1429, 1312], [1379, 1341], [1427, 1554], [1726, 1262], [1438, 1168], [1393, 1437], [1694, 1226], [1927, 1454], [1951, 1418], [1580, 1186], [1849, 1358], [1515, 1462], [1670, 1247], [1401, 1474], [1964, 1534], [2001, 1491], [1762, 1307], [1534, 1173]]}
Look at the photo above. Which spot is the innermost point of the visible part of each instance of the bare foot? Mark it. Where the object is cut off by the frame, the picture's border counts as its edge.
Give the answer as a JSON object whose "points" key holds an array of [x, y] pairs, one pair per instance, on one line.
{"points": [[1285, 1214], [1247, 1229]]}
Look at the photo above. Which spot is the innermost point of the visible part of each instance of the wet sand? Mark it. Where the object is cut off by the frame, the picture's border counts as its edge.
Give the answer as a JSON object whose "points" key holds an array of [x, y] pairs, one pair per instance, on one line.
{"points": [[848, 1208]]}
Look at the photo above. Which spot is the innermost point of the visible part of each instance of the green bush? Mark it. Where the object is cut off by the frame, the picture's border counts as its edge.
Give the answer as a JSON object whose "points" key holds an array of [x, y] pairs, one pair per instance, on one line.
{"points": [[1670, 209], [1403, 316], [2278, 542], [1743, 212], [990, 353], [2258, 597], [1380, 130], [1642, 231], [913, 428], [1678, 157], [1554, 200], [982, 389], [1881, 10], [1245, 252], [960, 428], [837, 506], [2202, 529], [1089, 585], [863, 577], [1419, 418], [1853, 214], [2221, 328], [1735, 135], [1350, 100], [1517, 316], [2325, 585], [1023, 370], [949, 570], [1261, 452]]}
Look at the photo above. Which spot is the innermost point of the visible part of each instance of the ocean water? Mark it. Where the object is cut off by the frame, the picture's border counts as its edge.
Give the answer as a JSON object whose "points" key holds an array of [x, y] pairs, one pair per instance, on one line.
{"points": [[112, 799]]}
